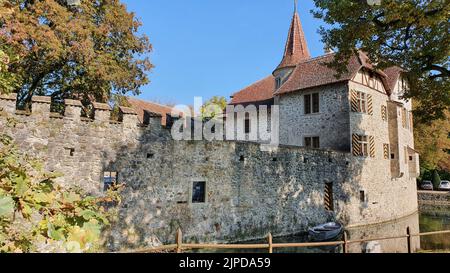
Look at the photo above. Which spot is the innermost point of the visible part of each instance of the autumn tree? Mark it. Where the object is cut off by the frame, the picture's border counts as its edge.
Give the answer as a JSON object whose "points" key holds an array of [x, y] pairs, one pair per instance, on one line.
{"points": [[89, 51], [213, 107], [433, 144], [412, 34]]}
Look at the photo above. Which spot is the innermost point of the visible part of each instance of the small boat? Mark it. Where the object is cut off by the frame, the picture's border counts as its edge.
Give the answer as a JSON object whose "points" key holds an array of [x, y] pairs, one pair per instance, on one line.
{"points": [[326, 231]]}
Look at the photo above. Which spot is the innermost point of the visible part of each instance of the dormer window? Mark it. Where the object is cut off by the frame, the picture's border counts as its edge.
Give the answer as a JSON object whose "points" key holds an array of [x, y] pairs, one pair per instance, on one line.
{"points": [[278, 83]]}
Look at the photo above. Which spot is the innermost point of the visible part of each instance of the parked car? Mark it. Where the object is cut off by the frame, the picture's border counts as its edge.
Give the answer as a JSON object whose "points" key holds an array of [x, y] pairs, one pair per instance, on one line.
{"points": [[426, 185], [445, 185]]}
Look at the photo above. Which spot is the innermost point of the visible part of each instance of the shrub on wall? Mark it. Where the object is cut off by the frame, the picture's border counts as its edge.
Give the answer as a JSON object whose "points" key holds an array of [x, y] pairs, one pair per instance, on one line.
{"points": [[37, 215]]}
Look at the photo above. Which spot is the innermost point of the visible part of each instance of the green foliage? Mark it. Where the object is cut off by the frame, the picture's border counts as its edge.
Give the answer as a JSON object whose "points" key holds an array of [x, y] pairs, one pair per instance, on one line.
{"points": [[436, 179], [411, 34], [88, 52], [213, 107], [36, 214], [8, 81]]}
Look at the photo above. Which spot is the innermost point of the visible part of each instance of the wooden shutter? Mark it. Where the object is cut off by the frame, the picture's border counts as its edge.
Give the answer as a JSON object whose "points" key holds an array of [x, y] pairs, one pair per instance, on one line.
{"points": [[356, 145], [386, 151], [404, 118], [369, 105], [372, 146], [384, 112], [354, 101], [328, 196], [411, 120]]}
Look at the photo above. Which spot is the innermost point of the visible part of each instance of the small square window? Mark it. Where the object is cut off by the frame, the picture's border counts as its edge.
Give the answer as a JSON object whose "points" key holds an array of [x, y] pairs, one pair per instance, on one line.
{"points": [[199, 192], [242, 158], [312, 142], [150, 155], [410, 158]]}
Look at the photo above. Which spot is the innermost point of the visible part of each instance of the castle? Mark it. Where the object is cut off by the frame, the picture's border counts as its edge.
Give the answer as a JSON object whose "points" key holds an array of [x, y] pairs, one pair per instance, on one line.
{"points": [[347, 154]]}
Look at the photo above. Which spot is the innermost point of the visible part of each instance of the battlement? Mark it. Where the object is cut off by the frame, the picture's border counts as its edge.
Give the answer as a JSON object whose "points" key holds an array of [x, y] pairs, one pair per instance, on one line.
{"points": [[40, 109]]}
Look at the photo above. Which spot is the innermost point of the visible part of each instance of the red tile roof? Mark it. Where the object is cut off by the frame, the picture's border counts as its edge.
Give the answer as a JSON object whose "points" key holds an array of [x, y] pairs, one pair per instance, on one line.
{"points": [[296, 49], [308, 74], [258, 92], [140, 106], [393, 73]]}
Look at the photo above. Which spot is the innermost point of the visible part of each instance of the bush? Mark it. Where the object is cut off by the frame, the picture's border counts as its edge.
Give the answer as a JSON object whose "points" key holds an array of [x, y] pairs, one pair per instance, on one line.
{"points": [[38, 215], [436, 179]]}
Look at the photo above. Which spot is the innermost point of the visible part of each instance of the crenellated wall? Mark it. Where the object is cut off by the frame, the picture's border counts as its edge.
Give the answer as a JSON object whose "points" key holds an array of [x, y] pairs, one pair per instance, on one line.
{"points": [[249, 192]]}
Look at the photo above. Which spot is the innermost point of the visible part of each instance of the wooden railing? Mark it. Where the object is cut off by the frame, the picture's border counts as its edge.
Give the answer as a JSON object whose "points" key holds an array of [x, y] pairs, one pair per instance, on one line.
{"points": [[179, 246]]}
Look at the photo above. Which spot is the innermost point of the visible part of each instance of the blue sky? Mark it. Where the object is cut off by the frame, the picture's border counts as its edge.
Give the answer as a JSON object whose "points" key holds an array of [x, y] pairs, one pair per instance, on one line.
{"points": [[211, 47]]}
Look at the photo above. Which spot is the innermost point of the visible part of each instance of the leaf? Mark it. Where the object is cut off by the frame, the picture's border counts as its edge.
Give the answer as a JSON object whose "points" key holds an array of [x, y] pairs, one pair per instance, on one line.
{"points": [[88, 214], [54, 234], [21, 185], [43, 197], [6, 206], [72, 197]]}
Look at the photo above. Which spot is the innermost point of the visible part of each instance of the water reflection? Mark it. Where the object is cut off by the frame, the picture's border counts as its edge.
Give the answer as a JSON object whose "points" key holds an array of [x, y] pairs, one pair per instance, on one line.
{"points": [[395, 228], [390, 229], [435, 220]]}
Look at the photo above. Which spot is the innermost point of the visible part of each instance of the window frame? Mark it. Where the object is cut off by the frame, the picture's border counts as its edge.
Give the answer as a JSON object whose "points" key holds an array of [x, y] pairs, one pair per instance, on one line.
{"points": [[113, 182], [362, 101], [311, 103], [191, 191], [309, 142], [364, 144]]}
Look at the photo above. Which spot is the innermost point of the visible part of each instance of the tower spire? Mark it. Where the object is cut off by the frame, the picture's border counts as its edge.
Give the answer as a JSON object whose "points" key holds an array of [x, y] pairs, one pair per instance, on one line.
{"points": [[296, 49]]}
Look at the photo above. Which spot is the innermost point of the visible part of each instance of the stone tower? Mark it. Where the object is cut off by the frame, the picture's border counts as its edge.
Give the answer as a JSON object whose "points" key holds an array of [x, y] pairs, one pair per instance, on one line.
{"points": [[296, 50]]}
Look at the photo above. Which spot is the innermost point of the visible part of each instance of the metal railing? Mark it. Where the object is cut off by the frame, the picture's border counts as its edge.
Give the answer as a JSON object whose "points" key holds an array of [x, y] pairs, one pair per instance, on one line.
{"points": [[179, 246]]}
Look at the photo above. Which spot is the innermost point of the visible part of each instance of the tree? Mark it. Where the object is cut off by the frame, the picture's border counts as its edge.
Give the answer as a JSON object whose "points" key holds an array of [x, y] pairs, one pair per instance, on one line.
{"points": [[433, 142], [411, 34], [37, 215], [213, 107], [436, 180], [88, 52]]}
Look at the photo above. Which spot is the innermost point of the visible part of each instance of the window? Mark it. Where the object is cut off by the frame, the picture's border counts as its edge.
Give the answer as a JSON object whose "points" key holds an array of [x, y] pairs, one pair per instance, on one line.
{"points": [[278, 83], [363, 141], [247, 126], [312, 142], [150, 155], [71, 151], [360, 145], [329, 202], [312, 103], [109, 180], [198, 192], [362, 102], [362, 196]]}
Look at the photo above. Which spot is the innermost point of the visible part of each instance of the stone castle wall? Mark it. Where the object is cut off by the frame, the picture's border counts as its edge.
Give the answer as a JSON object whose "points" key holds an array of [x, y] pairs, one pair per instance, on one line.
{"points": [[248, 192]]}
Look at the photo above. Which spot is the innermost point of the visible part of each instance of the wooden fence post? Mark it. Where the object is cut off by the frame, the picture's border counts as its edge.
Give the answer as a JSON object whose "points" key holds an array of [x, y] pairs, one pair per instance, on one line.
{"points": [[179, 239], [345, 242], [270, 243], [408, 233]]}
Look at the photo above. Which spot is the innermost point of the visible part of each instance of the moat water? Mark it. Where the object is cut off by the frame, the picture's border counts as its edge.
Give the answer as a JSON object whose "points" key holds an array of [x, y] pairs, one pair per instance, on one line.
{"points": [[420, 222]]}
